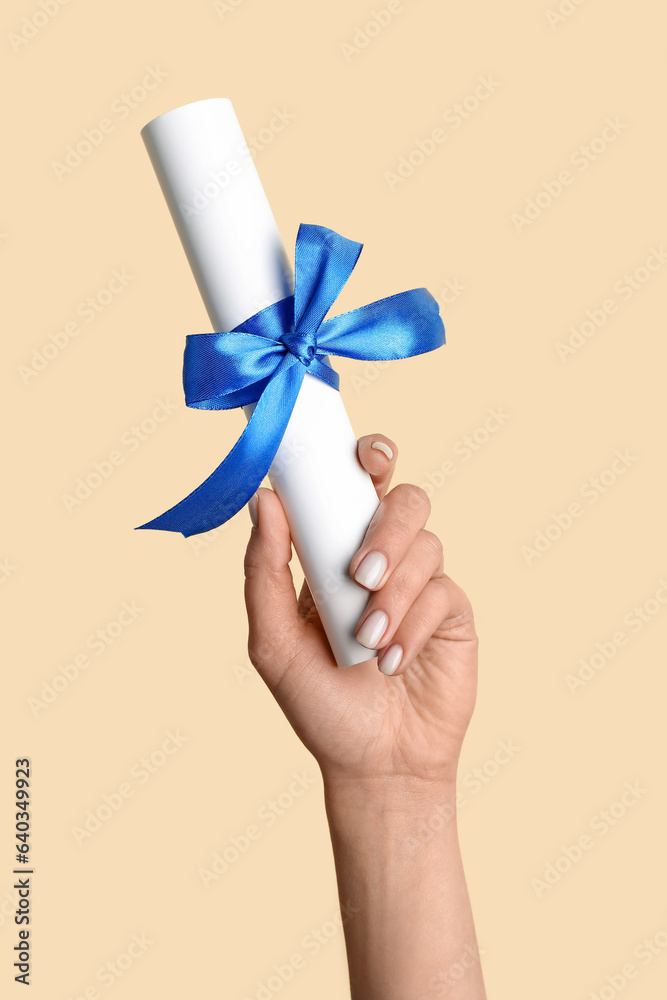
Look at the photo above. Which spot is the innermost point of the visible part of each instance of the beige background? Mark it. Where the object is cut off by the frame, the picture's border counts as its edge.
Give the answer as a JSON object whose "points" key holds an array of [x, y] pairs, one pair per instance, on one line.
{"points": [[180, 664]]}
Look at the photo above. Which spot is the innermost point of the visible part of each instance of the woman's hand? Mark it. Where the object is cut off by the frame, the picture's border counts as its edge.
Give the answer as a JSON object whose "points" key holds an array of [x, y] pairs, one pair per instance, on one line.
{"points": [[387, 741], [405, 720]]}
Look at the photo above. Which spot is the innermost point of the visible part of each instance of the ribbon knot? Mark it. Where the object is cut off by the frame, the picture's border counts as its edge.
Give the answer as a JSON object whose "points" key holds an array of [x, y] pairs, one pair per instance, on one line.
{"points": [[301, 346], [265, 359]]}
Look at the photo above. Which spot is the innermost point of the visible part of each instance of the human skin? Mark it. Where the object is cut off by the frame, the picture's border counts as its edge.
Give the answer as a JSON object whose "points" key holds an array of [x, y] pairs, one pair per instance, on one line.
{"points": [[387, 744]]}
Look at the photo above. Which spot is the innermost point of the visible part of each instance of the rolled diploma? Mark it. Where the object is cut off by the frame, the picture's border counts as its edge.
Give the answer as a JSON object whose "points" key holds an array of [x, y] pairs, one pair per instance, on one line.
{"points": [[238, 259]]}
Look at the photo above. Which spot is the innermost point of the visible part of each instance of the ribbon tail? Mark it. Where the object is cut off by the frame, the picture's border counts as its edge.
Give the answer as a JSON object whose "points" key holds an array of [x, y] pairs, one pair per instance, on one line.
{"points": [[236, 479]]}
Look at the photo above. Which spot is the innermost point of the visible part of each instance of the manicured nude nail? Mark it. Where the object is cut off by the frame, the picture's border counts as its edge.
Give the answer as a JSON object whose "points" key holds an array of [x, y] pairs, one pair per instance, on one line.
{"points": [[252, 509], [371, 569], [384, 448], [391, 659], [373, 629]]}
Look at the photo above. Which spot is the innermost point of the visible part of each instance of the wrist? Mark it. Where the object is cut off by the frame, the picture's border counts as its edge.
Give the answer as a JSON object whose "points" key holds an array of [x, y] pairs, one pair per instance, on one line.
{"points": [[394, 793]]}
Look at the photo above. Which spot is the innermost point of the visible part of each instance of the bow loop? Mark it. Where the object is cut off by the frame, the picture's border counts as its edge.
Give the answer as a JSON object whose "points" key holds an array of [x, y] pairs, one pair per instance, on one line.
{"points": [[323, 263], [265, 359], [226, 370]]}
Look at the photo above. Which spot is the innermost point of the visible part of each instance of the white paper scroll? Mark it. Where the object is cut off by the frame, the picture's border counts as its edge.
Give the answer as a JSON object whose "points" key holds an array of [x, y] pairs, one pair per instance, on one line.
{"points": [[239, 261]]}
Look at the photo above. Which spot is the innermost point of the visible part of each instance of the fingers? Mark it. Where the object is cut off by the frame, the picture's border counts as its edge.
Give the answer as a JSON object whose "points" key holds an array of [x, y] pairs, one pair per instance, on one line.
{"points": [[412, 600], [441, 609], [274, 623], [388, 606], [377, 454], [393, 528]]}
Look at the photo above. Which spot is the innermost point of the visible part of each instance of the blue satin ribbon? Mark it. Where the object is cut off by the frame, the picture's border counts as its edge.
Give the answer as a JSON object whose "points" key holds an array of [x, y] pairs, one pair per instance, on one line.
{"points": [[264, 360]]}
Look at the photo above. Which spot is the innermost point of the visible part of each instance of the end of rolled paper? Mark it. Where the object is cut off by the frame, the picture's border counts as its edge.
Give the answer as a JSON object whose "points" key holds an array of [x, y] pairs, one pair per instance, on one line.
{"points": [[182, 108]]}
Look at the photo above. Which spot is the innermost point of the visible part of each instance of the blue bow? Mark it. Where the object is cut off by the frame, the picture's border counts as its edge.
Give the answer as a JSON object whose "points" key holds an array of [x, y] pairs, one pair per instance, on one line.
{"points": [[265, 358]]}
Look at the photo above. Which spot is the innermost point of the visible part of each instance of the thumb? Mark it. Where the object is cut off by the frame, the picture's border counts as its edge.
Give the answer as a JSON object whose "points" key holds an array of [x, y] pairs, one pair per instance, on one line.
{"points": [[275, 625]]}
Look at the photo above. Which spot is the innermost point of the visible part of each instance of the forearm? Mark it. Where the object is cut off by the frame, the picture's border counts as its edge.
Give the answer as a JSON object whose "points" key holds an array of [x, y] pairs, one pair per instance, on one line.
{"points": [[410, 932]]}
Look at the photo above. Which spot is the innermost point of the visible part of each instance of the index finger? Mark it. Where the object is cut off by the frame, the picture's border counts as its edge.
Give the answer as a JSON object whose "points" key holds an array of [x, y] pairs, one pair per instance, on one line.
{"points": [[378, 454]]}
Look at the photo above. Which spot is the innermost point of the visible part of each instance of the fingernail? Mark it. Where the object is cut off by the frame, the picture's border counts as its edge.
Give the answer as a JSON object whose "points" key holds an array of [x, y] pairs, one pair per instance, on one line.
{"points": [[253, 503], [373, 629], [371, 569], [384, 448], [391, 659]]}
